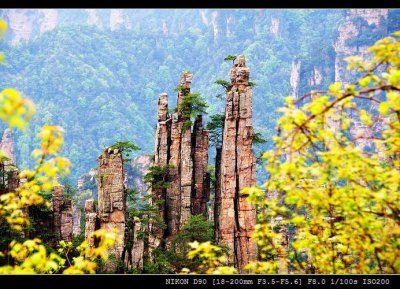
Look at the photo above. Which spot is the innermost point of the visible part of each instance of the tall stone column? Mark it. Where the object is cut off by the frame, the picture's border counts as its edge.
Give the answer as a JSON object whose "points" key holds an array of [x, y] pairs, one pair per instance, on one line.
{"points": [[217, 200], [90, 222], [112, 199], [7, 146], [62, 215], [201, 191], [187, 154], [237, 217], [162, 143], [179, 193]]}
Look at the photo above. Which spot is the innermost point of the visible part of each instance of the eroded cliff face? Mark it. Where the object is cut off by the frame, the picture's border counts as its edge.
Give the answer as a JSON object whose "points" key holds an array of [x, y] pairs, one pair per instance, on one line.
{"points": [[354, 28], [91, 222], [49, 20], [7, 147], [118, 19], [236, 218], [93, 18], [186, 151], [9, 181], [201, 179], [112, 199], [62, 215], [295, 77]]}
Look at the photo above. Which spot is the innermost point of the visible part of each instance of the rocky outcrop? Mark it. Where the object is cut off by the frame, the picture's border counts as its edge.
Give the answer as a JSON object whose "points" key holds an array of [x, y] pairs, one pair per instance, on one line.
{"points": [[9, 180], [236, 219], [295, 77], [139, 167], [118, 19], [186, 153], [352, 29], [62, 215], [76, 216], [112, 199], [201, 178], [91, 222], [161, 157], [134, 255], [50, 19], [179, 193], [275, 26], [93, 18], [217, 197], [315, 78], [7, 147]]}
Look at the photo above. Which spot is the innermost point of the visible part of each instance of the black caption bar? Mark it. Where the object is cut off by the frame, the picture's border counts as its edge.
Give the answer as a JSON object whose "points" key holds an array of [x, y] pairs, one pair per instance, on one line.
{"points": [[201, 281]]}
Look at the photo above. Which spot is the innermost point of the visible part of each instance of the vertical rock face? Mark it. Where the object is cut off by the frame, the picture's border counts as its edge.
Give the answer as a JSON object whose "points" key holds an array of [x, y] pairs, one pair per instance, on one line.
{"points": [[49, 22], [90, 222], [187, 153], [66, 221], [112, 198], [353, 28], [236, 219], [93, 18], [217, 199], [316, 77], [7, 146], [179, 192], [62, 215], [134, 258], [161, 145], [10, 180], [20, 24], [76, 216], [295, 77], [275, 26], [201, 193]]}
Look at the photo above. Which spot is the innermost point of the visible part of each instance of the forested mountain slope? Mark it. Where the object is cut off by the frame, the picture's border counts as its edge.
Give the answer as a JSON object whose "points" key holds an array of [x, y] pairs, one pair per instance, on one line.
{"points": [[98, 73]]}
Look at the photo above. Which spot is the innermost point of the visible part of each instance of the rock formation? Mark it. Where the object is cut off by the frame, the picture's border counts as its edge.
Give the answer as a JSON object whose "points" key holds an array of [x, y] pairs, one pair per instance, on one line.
{"points": [[112, 199], [236, 217], [186, 153], [7, 147], [351, 29], [76, 216], [201, 179], [9, 180], [90, 222], [134, 255], [62, 215], [295, 78]]}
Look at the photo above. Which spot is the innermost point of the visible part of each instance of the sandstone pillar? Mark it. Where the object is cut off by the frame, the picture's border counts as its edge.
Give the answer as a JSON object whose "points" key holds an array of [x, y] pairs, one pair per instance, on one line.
{"points": [[237, 217], [112, 199], [200, 162], [90, 222], [62, 215]]}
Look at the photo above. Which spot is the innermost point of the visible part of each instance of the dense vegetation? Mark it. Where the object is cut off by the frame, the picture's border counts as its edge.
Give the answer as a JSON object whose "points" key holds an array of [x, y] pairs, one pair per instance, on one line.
{"points": [[102, 85]]}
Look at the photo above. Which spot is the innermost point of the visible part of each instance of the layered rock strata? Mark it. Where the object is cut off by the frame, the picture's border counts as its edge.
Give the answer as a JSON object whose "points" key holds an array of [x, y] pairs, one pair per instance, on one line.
{"points": [[62, 215], [112, 199], [236, 217], [185, 150]]}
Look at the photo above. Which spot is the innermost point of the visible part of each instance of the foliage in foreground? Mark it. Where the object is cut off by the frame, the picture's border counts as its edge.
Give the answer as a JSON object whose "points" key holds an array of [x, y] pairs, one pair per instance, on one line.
{"points": [[333, 192]]}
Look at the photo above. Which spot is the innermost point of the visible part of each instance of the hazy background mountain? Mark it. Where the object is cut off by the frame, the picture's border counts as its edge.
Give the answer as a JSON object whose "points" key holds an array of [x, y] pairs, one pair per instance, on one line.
{"points": [[98, 73]]}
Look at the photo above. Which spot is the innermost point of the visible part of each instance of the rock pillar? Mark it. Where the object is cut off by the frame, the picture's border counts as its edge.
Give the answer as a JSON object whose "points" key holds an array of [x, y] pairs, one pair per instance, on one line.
{"points": [[62, 215], [237, 217], [201, 193], [112, 199], [90, 222]]}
